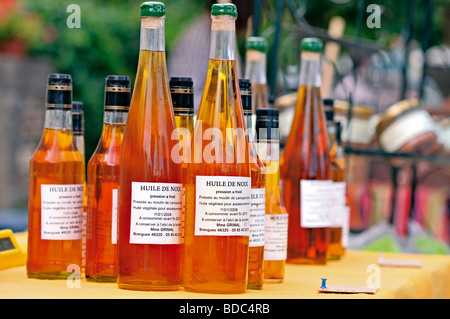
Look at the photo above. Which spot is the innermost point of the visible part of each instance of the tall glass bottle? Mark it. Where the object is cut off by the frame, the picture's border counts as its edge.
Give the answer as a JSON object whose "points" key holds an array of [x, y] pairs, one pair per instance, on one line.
{"points": [[103, 181], [258, 196], [276, 217], [219, 183], [149, 179], [306, 171], [255, 70], [55, 201]]}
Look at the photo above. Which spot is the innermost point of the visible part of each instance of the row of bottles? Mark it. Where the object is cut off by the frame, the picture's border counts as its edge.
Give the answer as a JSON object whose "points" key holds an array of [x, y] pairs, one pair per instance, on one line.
{"points": [[169, 202]]}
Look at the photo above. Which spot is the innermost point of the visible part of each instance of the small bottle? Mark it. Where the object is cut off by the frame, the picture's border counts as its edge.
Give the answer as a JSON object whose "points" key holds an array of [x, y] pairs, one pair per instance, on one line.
{"points": [[258, 196], [55, 202], [276, 217], [103, 181], [255, 70], [78, 126], [340, 210], [78, 136], [182, 93], [219, 184], [306, 171], [149, 212]]}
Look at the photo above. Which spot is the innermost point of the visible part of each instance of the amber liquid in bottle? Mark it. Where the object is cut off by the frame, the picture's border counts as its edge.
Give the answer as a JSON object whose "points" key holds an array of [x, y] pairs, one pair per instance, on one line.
{"points": [[56, 185], [217, 263], [78, 136], [182, 93], [306, 159], [276, 217], [149, 260], [336, 249], [102, 184], [258, 195]]}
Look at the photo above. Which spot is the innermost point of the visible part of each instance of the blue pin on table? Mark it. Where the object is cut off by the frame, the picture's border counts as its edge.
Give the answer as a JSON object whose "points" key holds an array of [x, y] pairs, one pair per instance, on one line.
{"points": [[324, 285]]}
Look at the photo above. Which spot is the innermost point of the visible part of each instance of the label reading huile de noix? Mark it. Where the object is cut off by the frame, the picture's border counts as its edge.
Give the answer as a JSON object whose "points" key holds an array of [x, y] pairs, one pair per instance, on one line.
{"points": [[156, 213]]}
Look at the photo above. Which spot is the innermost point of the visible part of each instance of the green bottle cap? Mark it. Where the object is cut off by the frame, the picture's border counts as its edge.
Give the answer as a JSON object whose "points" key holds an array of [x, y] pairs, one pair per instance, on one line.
{"points": [[153, 9], [224, 9], [256, 43], [312, 44]]}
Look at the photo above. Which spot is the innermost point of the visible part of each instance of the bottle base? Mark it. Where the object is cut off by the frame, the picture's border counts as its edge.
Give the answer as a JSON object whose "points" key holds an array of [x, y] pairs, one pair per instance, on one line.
{"points": [[101, 278], [215, 288], [307, 261], [273, 280], [56, 275], [147, 286], [255, 286]]}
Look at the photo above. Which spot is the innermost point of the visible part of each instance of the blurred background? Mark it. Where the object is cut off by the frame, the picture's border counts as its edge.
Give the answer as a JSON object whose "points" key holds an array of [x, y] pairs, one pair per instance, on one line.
{"points": [[377, 53]]}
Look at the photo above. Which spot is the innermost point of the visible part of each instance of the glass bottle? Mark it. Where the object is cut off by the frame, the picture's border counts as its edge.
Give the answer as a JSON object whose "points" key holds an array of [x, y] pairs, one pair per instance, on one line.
{"points": [[55, 201], [306, 171], [258, 196], [255, 70], [149, 211], [276, 217], [340, 210], [182, 93], [78, 136], [219, 183], [103, 181]]}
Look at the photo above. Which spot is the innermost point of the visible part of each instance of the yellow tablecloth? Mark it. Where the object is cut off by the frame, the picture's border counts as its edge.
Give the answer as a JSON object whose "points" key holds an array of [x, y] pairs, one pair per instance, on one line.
{"points": [[432, 280]]}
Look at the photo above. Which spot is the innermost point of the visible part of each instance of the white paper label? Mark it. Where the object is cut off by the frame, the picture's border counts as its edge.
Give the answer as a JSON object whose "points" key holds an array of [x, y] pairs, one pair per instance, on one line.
{"points": [[222, 205], [276, 236], [338, 200], [114, 217], [257, 217], [315, 201], [155, 213], [62, 211]]}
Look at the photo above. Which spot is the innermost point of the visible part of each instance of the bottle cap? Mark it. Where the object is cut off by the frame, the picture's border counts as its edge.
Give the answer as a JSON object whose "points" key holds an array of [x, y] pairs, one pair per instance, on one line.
{"points": [[267, 127], [117, 93], [77, 106], [182, 94], [77, 117], [245, 88], [58, 78], [256, 43], [224, 9], [117, 80], [153, 9], [312, 44], [59, 91], [338, 132], [181, 82], [328, 105]]}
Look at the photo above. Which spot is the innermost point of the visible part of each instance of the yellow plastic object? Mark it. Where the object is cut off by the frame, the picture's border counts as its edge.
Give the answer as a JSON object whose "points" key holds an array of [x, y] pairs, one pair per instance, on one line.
{"points": [[11, 255]]}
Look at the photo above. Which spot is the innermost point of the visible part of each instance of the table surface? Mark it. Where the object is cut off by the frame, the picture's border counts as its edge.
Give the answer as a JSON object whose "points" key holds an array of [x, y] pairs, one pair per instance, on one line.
{"points": [[355, 269]]}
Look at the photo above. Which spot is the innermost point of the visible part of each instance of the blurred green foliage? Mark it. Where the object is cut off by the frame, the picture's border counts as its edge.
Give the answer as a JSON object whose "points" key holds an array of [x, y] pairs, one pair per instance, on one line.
{"points": [[107, 43], [108, 40]]}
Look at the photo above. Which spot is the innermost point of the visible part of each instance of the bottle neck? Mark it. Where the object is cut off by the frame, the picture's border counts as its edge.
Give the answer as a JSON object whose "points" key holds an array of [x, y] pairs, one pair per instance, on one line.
{"points": [[223, 38], [115, 117], [255, 67], [58, 119], [249, 126], [152, 34], [310, 69]]}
